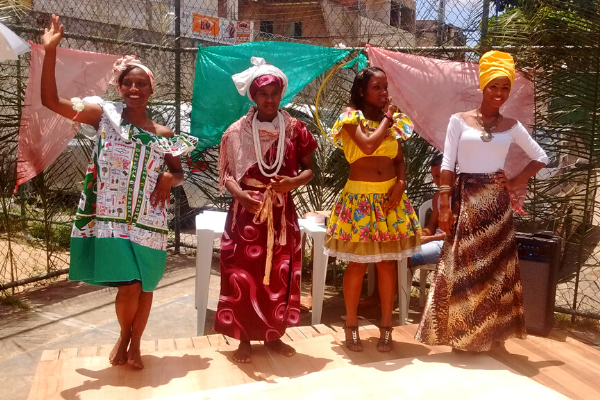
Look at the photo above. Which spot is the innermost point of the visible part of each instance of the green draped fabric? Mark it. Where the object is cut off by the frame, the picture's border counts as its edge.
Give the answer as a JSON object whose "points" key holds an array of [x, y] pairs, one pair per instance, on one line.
{"points": [[216, 103]]}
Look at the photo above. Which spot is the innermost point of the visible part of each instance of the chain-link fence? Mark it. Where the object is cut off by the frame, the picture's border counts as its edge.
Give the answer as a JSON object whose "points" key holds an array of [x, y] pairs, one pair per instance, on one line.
{"points": [[35, 222]]}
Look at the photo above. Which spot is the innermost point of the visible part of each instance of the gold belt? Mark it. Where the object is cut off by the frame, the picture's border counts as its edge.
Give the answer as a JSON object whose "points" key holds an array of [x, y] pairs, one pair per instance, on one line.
{"points": [[270, 199]]}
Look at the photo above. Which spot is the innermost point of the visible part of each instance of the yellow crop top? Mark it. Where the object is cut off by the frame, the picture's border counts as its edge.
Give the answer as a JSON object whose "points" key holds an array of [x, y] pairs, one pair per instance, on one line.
{"points": [[402, 127]]}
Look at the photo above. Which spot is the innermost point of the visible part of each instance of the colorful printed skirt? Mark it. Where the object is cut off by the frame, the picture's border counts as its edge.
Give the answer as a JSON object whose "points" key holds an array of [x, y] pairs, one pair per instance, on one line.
{"points": [[476, 299], [360, 231]]}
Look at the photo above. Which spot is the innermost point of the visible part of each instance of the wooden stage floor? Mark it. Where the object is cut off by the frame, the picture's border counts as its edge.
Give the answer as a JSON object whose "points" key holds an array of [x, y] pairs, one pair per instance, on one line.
{"points": [[180, 368]]}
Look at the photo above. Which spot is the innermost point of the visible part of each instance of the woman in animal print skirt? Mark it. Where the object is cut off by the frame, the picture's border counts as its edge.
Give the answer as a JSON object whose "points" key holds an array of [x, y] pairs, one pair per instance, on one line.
{"points": [[476, 302]]}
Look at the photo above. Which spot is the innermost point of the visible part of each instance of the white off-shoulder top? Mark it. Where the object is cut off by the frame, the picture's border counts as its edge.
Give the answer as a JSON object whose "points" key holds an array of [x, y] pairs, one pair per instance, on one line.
{"points": [[464, 145]]}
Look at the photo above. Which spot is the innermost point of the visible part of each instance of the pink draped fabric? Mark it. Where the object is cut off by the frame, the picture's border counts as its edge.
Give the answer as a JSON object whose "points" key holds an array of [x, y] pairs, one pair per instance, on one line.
{"points": [[429, 91], [43, 134]]}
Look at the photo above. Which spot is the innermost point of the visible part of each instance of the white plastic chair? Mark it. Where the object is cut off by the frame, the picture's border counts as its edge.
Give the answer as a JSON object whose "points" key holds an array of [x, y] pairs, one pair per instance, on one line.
{"points": [[424, 269], [210, 226]]}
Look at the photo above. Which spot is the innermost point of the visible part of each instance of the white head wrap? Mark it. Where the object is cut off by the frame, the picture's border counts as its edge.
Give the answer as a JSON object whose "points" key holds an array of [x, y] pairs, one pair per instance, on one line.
{"points": [[244, 79]]}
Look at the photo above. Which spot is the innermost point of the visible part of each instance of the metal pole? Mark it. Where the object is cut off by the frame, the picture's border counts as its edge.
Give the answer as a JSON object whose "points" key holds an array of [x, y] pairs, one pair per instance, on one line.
{"points": [[441, 21], [177, 221], [484, 24], [19, 110]]}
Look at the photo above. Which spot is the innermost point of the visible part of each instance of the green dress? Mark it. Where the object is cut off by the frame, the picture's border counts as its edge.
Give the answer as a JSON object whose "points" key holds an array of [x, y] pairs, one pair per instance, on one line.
{"points": [[118, 236]]}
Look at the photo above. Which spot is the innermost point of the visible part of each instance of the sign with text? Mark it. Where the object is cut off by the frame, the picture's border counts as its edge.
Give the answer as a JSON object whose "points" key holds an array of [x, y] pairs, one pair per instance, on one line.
{"points": [[220, 30], [205, 25]]}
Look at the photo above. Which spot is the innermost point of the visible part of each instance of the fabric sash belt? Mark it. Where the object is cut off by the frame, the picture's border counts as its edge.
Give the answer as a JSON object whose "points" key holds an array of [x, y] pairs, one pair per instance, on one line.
{"points": [[270, 199]]}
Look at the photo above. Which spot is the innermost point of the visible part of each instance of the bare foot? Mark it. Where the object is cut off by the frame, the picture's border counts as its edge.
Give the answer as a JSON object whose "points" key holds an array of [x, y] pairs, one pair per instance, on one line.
{"points": [[281, 347], [134, 357], [242, 354], [118, 355], [306, 303], [369, 302]]}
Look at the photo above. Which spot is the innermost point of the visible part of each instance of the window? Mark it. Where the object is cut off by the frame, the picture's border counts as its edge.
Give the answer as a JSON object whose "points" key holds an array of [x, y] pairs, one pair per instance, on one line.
{"points": [[266, 27], [295, 30], [222, 8], [395, 14]]}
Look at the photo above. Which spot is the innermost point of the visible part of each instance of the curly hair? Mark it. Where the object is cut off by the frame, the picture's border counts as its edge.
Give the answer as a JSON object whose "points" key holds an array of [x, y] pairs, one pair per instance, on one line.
{"points": [[359, 86]]}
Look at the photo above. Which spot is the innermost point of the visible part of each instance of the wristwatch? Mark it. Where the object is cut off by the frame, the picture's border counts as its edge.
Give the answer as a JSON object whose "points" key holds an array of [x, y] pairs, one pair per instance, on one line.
{"points": [[389, 116]]}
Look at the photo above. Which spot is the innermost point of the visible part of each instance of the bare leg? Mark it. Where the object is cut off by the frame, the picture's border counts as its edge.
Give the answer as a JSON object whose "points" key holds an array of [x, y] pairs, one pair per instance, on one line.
{"points": [[353, 278], [373, 299], [387, 291], [126, 305], [281, 347], [134, 356], [243, 353]]}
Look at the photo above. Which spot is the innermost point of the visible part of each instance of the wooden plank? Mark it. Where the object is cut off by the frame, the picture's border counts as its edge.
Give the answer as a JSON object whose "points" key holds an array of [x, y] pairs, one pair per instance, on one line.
{"points": [[553, 364], [217, 340], [165, 344], [200, 342], [232, 342], [456, 378], [576, 346], [184, 343], [308, 331], [50, 355], [286, 338], [147, 346], [528, 363], [321, 328], [105, 349], [366, 324], [559, 364], [89, 351], [295, 334], [68, 353], [338, 326]]}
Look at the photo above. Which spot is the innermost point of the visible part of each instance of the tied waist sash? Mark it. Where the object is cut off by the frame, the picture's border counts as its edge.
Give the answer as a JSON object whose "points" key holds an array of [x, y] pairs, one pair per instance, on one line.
{"points": [[270, 199]]}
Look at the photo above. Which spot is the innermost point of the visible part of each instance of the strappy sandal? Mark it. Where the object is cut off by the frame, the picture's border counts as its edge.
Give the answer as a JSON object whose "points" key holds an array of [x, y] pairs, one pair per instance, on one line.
{"points": [[354, 342], [385, 341]]}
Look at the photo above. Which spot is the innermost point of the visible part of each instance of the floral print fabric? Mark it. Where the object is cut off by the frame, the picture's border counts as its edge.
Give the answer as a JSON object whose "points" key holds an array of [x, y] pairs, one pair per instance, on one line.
{"points": [[359, 230]]}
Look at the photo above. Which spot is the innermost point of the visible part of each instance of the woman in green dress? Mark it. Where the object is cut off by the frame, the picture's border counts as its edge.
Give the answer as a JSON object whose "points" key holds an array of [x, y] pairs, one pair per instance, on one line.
{"points": [[119, 237]]}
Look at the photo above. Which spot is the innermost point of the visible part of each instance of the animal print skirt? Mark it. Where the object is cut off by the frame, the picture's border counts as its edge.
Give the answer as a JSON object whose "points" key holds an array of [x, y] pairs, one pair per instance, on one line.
{"points": [[476, 301]]}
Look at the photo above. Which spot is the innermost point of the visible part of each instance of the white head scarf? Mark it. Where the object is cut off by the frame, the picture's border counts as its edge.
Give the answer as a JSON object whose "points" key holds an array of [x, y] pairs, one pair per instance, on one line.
{"points": [[244, 79]]}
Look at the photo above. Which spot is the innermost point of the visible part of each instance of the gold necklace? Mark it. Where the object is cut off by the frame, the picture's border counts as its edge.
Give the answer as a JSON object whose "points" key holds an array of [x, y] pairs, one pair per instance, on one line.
{"points": [[486, 134]]}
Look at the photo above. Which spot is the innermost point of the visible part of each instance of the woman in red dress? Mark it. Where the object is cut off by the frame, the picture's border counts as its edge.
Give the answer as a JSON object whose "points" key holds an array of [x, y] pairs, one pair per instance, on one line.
{"points": [[260, 249]]}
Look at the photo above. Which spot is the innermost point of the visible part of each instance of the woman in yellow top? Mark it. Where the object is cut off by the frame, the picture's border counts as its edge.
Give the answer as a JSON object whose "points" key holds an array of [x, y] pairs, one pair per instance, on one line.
{"points": [[372, 220]]}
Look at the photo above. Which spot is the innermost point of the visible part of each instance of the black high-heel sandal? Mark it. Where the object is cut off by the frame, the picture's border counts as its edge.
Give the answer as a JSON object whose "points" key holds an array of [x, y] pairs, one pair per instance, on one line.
{"points": [[354, 343], [386, 340]]}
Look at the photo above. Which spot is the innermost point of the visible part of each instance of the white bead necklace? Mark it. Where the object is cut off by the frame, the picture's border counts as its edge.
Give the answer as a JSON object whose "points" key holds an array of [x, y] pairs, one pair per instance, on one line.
{"points": [[262, 165]]}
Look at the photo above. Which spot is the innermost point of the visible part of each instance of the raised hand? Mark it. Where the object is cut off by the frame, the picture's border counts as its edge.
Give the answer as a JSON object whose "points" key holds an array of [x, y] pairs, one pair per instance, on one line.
{"points": [[390, 108], [54, 34]]}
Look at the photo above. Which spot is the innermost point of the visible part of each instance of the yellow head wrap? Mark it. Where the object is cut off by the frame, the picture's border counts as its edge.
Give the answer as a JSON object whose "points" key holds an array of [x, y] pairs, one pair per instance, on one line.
{"points": [[494, 64]]}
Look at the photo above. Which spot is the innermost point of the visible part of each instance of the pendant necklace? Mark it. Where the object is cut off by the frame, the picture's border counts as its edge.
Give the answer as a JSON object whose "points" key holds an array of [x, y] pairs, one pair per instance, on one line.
{"points": [[262, 165], [487, 128]]}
